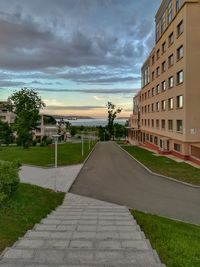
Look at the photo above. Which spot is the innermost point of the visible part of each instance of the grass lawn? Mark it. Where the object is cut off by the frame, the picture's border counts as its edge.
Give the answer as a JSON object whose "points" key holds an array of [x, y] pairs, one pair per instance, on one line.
{"points": [[28, 206], [69, 153], [177, 243], [165, 166]]}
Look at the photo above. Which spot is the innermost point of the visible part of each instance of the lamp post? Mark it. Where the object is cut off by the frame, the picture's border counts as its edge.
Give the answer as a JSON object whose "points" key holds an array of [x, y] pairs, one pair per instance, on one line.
{"points": [[89, 140], [82, 144], [55, 138]]}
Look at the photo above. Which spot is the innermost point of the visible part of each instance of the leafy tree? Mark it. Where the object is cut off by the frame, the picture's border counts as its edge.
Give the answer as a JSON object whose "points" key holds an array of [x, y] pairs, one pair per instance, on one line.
{"points": [[67, 125], [26, 104], [112, 114], [49, 120], [6, 133], [73, 130], [103, 133], [120, 131]]}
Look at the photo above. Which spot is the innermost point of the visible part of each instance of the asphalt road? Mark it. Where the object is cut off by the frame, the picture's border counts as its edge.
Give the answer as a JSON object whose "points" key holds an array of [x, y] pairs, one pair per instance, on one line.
{"points": [[112, 175]]}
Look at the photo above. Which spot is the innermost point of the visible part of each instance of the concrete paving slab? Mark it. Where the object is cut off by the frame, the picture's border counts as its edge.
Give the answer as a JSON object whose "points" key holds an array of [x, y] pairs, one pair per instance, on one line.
{"points": [[59, 179], [103, 241]]}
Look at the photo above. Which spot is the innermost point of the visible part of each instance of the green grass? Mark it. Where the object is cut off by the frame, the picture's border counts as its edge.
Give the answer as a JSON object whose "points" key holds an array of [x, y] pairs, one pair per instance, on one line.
{"points": [[177, 243], [165, 166], [69, 153], [28, 205]]}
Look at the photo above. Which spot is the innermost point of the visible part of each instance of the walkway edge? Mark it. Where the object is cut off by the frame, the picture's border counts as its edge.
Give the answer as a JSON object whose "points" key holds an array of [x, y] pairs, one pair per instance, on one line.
{"points": [[83, 164], [157, 174]]}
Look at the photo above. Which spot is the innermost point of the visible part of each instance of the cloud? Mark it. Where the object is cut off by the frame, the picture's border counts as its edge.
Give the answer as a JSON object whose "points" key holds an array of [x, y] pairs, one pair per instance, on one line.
{"points": [[6, 83], [74, 107], [90, 91]]}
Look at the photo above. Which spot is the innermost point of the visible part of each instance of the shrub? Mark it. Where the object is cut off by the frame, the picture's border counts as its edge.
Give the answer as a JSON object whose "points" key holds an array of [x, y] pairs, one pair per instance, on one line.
{"points": [[34, 142], [49, 141], [43, 143], [9, 179]]}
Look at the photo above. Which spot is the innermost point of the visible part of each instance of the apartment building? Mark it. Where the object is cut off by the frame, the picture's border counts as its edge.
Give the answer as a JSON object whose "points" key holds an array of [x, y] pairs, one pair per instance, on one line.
{"points": [[5, 114], [169, 100], [43, 129]]}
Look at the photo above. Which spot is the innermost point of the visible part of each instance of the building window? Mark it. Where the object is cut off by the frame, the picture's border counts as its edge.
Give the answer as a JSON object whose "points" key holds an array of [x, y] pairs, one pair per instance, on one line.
{"points": [[177, 147], [170, 13], [157, 106], [153, 75], [180, 77], [180, 53], [170, 103], [179, 126], [148, 108], [164, 47], [147, 137], [152, 107], [163, 124], [170, 125], [158, 71], [149, 93], [171, 82], [158, 54], [153, 60], [152, 123], [155, 140], [151, 138], [157, 31], [163, 23], [179, 101], [178, 5], [163, 86], [157, 124], [180, 28], [157, 89], [153, 91], [171, 60], [163, 105], [164, 66], [171, 38]]}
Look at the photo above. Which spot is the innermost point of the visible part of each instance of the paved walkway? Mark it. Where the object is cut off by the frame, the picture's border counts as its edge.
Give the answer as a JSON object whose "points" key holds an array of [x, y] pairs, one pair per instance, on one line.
{"points": [[60, 179], [112, 175], [83, 232]]}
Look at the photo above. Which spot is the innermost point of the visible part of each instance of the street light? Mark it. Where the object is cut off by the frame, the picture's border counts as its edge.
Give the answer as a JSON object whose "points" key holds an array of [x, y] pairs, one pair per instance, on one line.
{"points": [[82, 144], [55, 138], [89, 140]]}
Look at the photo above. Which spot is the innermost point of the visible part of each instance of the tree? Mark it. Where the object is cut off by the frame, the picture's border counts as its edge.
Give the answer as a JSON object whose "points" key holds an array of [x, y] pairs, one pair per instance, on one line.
{"points": [[112, 114], [67, 125], [26, 104], [6, 133], [73, 130]]}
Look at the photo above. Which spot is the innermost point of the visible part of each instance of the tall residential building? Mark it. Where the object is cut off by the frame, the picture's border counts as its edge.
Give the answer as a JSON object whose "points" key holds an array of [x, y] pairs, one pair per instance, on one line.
{"points": [[168, 105]]}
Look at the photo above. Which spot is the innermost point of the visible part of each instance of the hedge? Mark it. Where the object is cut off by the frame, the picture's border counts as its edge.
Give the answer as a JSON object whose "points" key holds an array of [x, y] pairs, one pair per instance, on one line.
{"points": [[9, 179]]}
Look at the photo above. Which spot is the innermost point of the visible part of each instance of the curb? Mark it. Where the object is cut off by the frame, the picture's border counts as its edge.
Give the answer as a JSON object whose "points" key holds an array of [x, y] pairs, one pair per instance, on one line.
{"points": [[160, 175], [83, 164], [50, 167]]}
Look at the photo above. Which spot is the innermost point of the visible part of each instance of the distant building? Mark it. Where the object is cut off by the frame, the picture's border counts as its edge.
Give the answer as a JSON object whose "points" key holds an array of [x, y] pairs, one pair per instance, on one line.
{"points": [[167, 114], [45, 129], [5, 115]]}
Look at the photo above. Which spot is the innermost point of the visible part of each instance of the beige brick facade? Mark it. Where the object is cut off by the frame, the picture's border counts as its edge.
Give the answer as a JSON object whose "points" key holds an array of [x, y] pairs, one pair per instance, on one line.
{"points": [[169, 101]]}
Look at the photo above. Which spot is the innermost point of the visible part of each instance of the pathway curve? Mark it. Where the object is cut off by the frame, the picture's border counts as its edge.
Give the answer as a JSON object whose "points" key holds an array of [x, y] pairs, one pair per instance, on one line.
{"points": [[59, 179], [112, 175], [83, 232]]}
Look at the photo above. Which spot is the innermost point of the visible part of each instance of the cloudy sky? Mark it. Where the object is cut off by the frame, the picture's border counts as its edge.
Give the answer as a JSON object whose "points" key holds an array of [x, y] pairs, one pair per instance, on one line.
{"points": [[78, 54]]}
